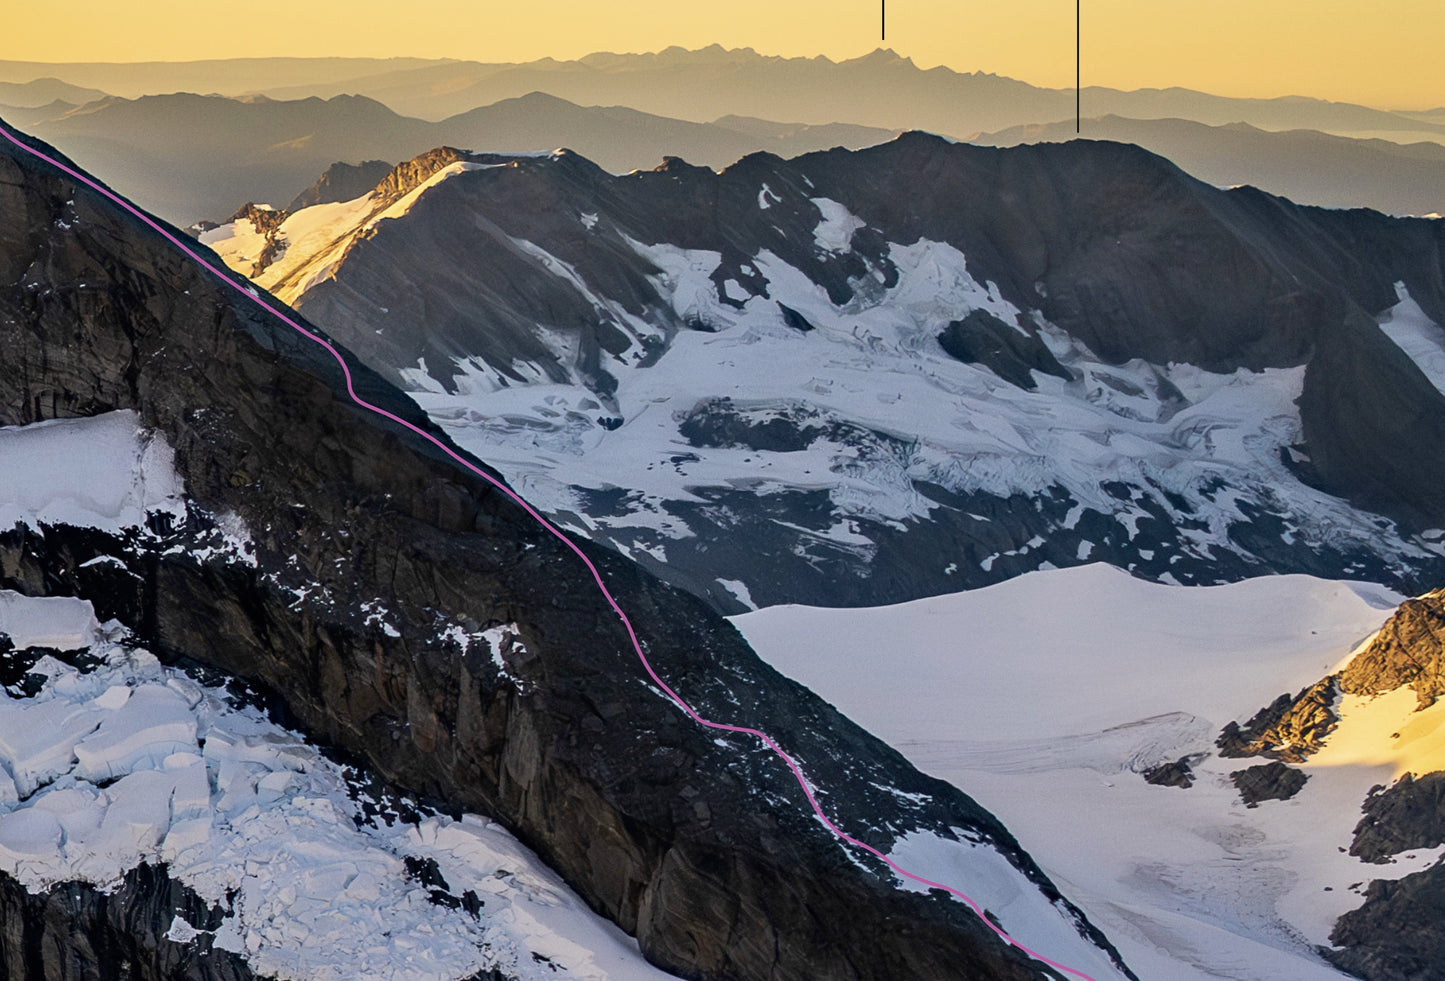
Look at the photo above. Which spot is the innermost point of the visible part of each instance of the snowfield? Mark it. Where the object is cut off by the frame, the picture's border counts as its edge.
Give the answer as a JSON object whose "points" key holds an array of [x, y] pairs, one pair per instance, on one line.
{"points": [[1417, 335], [100, 471], [129, 762], [1046, 696]]}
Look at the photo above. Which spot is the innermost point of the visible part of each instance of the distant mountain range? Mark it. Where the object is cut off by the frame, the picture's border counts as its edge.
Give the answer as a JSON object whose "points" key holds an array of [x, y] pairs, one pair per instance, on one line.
{"points": [[229, 76], [879, 90], [1303, 165], [191, 157], [44, 91]]}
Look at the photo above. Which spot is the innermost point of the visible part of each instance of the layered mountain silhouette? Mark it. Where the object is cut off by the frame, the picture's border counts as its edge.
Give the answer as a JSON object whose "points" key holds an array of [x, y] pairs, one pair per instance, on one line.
{"points": [[883, 90], [45, 92], [193, 157], [1303, 165]]}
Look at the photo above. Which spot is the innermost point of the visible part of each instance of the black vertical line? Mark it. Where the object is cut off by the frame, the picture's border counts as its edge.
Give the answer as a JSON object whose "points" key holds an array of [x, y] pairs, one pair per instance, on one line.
{"points": [[883, 20], [1078, 75]]}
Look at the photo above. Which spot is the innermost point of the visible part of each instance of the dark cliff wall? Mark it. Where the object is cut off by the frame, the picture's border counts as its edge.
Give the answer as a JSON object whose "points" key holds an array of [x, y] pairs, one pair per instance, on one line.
{"points": [[77, 933], [574, 750]]}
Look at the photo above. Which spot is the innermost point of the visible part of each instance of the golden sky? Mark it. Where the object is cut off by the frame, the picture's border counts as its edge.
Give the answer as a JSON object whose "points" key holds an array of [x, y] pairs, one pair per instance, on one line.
{"points": [[1384, 52]]}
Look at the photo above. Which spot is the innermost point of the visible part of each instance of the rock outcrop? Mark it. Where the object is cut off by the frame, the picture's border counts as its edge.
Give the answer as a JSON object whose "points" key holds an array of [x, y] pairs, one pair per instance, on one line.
{"points": [[1395, 934], [78, 933], [1408, 814], [1289, 728], [1012, 353], [267, 223], [1176, 774], [408, 175], [566, 742], [1409, 651], [1268, 781]]}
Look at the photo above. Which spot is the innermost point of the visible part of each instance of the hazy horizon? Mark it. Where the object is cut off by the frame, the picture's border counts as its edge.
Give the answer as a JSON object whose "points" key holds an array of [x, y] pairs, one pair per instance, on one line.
{"points": [[1240, 49]]}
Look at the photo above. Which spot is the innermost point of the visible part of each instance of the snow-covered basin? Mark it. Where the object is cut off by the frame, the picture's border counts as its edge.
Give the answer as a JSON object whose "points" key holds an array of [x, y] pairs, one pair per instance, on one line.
{"points": [[1044, 696]]}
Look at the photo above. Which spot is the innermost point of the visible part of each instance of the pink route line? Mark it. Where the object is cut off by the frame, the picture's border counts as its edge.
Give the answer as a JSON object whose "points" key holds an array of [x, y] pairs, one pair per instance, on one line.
{"points": [[554, 531]]}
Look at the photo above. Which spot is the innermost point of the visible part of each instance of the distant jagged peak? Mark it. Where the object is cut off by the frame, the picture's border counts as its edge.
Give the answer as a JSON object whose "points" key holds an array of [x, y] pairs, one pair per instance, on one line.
{"points": [[259, 215], [678, 166], [342, 181], [679, 56], [879, 58]]}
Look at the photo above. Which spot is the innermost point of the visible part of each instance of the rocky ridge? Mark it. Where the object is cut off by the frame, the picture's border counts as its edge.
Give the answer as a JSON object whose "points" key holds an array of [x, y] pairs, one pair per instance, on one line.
{"points": [[1288, 729], [564, 743], [1086, 278], [1268, 781], [1409, 651]]}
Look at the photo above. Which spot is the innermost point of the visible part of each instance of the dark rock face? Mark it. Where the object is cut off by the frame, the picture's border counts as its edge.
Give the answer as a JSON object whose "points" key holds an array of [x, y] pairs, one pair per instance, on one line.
{"points": [[1288, 729], [1177, 774], [342, 182], [1410, 650], [794, 319], [569, 746], [1268, 781], [77, 933], [1410, 814], [1114, 246], [1009, 352], [1395, 935]]}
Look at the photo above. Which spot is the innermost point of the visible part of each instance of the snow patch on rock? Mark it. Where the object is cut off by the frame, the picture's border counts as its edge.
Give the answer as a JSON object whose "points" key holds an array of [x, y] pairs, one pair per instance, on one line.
{"points": [[105, 471], [130, 762], [1417, 335]]}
